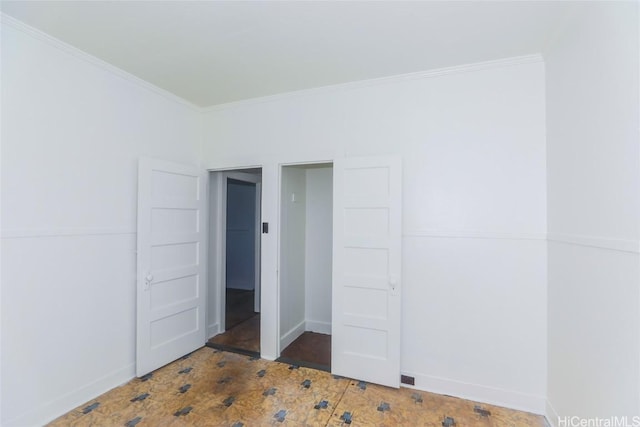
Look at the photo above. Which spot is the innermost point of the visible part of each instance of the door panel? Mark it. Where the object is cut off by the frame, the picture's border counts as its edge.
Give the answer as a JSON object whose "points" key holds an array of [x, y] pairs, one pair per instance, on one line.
{"points": [[171, 263], [367, 269]]}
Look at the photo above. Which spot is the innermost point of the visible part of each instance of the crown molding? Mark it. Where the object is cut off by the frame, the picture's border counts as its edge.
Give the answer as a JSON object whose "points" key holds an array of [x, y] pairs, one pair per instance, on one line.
{"points": [[67, 48], [80, 54], [438, 72]]}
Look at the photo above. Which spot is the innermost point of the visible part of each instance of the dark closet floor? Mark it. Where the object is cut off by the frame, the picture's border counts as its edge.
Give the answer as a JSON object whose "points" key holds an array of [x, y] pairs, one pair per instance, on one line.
{"points": [[311, 349], [243, 338], [242, 324], [239, 306]]}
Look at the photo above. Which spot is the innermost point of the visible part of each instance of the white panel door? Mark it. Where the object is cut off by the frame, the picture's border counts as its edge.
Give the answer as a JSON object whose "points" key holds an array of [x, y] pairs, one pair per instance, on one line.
{"points": [[171, 263], [367, 233]]}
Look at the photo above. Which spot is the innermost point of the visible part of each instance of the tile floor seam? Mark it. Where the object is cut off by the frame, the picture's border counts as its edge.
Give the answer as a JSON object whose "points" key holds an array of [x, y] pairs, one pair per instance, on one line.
{"points": [[338, 403]]}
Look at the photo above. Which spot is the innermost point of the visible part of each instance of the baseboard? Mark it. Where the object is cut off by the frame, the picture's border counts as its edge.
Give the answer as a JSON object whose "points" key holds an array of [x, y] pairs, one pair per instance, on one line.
{"points": [[551, 415], [316, 326], [60, 406], [291, 336], [479, 393], [213, 330]]}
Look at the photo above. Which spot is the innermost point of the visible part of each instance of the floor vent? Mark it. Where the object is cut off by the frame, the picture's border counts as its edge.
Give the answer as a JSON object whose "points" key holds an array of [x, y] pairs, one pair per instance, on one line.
{"points": [[406, 379]]}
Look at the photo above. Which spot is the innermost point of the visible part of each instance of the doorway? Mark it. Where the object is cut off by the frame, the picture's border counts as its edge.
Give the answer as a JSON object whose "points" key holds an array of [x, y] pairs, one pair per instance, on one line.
{"points": [[237, 198], [306, 230]]}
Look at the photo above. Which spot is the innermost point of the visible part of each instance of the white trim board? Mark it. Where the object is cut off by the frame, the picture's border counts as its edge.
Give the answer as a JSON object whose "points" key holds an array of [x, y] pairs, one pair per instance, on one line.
{"points": [[251, 161], [291, 335], [474, 234], [51, 410], [621, 245], [212, 330], [551, 415], [66, 232], [317, 326], [479, 393], [80, 54]]}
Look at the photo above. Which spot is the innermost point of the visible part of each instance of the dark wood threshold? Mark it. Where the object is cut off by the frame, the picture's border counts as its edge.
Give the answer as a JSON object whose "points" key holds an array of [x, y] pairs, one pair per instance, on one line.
{"points": [[232, 349], [316, 366]]}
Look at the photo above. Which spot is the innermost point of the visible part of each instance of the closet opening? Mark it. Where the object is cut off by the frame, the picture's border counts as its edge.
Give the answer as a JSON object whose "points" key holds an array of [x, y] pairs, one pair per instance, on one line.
{"points": [[305, 271]]}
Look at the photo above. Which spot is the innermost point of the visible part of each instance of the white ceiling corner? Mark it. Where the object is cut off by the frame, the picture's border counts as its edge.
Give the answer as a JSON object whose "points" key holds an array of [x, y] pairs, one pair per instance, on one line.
{"points": [[217, 52]]}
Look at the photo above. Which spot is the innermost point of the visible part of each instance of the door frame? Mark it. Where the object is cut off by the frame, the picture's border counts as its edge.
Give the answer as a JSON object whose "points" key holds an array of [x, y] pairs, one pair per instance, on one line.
{"points": [[218, 240], [269, 244]]}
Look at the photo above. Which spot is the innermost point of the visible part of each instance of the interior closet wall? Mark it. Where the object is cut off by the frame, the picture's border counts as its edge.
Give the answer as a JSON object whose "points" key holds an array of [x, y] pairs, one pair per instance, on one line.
{"points": [[318, 248], [305, 251], [292, 254]]}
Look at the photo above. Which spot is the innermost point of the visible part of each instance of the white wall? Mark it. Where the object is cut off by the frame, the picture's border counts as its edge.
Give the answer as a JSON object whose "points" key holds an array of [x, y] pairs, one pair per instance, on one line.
{"points": [[473, 146], [594, 210], [71, 136], [318, 249], [292, 255]]}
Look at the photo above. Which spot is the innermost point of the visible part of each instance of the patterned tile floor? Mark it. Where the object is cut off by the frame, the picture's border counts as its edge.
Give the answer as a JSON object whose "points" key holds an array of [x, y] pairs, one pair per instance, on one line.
{"points": [[214, 388]]}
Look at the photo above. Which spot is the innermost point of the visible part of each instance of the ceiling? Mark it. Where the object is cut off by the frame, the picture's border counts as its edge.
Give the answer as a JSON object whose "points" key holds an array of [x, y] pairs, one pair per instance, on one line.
{"points": [[212, 52]]}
